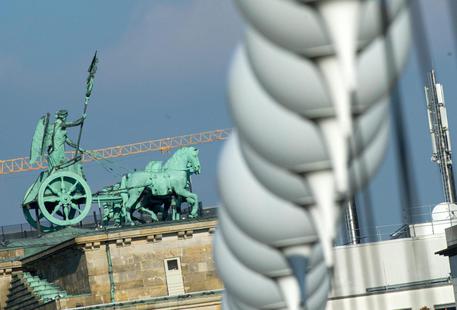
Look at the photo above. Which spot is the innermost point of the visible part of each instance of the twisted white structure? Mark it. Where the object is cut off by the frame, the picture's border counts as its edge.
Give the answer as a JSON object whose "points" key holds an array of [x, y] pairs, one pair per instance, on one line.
{"points": [[309, 94]]}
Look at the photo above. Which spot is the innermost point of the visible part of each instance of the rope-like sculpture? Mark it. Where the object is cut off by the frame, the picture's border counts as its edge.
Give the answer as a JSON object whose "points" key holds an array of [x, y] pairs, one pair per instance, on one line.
{"points": [[308, 92]]}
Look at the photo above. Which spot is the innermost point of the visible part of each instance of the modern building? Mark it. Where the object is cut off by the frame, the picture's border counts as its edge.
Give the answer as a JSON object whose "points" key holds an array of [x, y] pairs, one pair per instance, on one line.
{"points": [[398, 274], [451, 252]]}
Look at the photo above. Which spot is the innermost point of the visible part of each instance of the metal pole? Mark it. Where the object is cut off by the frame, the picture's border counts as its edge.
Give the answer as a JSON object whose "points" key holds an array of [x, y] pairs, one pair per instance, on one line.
{"points": [[110, 273], [90, 83], [81, 128], [352, 222], [100, 214]]}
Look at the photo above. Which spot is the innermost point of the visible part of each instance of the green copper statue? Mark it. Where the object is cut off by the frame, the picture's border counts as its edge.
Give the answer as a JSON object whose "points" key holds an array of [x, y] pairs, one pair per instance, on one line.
{"points": [[166, 184], [49, 140], [172, 181], [60, 196], [59, 137]]}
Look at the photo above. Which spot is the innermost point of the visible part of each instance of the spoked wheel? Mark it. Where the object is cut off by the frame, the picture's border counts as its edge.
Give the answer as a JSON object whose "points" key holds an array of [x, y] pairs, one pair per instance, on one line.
{"points": [[30, 213], [30, 216], [64, 198]]}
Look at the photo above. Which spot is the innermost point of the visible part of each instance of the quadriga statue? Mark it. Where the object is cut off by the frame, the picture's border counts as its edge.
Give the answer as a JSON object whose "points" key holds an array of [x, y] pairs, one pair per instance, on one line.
{"points": [[166, 184]]}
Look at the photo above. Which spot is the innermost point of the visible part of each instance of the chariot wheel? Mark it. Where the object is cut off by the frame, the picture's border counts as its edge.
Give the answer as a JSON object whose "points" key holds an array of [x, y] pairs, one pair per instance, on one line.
{"points": [[64, 198], [30, 216]]}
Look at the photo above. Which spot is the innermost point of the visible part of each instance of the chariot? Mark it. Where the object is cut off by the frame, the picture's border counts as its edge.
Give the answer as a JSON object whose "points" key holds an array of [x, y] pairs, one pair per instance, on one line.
{"points": [[62, 197]]}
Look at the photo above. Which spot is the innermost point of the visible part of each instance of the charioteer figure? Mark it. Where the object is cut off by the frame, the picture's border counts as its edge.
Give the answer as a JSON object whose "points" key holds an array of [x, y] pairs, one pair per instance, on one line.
{"points": [[59, 137]]}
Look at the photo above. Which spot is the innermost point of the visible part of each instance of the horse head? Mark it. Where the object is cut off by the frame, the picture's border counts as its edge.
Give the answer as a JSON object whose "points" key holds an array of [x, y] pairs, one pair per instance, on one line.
{"points": [[185, 158], [193, 162]]}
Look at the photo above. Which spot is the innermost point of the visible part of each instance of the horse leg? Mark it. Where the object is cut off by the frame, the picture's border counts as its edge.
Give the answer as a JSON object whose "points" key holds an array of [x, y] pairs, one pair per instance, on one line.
{"points": [[177, 213], [192, 200], [128, 218], [128, 206], [151, 213], [174, 201], [174, 212], [117, 214], [106, 214]]}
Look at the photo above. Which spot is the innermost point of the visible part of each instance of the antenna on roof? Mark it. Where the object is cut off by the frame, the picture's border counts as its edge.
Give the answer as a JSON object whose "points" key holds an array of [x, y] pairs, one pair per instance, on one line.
{"points": [[439, 132]]}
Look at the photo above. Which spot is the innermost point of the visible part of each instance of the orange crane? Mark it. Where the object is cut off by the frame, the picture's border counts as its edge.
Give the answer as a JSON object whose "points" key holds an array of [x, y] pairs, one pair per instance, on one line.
{"points": [[22, 164]]}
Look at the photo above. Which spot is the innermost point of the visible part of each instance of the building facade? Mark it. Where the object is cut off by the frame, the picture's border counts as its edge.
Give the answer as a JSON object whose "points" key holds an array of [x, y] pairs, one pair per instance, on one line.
{"points": [[170, 266]]}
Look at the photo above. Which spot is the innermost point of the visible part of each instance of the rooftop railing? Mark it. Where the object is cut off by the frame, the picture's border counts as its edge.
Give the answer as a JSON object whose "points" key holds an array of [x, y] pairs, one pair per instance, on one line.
{"points": [[422, 224], [93, 221]]}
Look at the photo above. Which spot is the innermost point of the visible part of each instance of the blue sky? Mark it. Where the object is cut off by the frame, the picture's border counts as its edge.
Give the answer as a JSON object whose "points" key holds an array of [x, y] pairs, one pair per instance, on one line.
{"points": [[162, 72], [385, 187]]}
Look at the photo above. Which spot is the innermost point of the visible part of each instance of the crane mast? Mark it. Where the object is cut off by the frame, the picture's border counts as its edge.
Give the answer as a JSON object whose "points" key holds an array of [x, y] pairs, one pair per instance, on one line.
{"points": [[439, 132]]}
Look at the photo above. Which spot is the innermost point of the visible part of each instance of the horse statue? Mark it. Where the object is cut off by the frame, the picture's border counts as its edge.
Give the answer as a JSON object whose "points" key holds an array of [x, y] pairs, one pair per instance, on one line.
{"points": [[161, 183]]}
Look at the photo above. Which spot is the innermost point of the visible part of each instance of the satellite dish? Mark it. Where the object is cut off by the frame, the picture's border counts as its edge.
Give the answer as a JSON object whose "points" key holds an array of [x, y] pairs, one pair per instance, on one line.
{"points": [[444, 211]]}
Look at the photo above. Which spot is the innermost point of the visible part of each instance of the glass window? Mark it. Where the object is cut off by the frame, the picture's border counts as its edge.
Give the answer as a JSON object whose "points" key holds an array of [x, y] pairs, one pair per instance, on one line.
{"points": [[172, 264], [445, 307]]}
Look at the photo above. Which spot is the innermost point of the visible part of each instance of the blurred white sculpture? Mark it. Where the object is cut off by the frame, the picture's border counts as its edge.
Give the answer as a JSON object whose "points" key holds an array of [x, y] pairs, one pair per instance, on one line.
{"points": [[309, 93]]}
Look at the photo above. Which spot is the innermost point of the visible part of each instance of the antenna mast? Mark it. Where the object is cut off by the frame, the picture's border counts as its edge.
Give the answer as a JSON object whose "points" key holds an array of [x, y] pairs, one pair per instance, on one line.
{"points": [[439, 132]]}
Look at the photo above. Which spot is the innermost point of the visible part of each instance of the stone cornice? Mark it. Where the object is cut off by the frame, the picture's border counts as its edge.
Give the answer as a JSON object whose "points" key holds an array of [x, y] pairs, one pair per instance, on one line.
{"points": [[6, 268], [186, 229]]}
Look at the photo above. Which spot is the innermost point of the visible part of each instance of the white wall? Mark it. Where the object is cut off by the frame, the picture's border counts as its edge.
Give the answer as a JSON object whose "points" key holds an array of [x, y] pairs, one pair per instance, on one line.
{"points": [[414, 299], [392, 262]]}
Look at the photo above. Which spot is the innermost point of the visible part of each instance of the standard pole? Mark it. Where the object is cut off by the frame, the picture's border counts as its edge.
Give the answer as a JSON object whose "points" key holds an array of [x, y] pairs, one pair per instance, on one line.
{"points": [[86, 100], [89, 85]]}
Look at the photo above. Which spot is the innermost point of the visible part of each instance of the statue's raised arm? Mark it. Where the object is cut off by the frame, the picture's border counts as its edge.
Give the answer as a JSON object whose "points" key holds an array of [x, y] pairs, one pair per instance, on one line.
{"points": [[78, 122]]}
